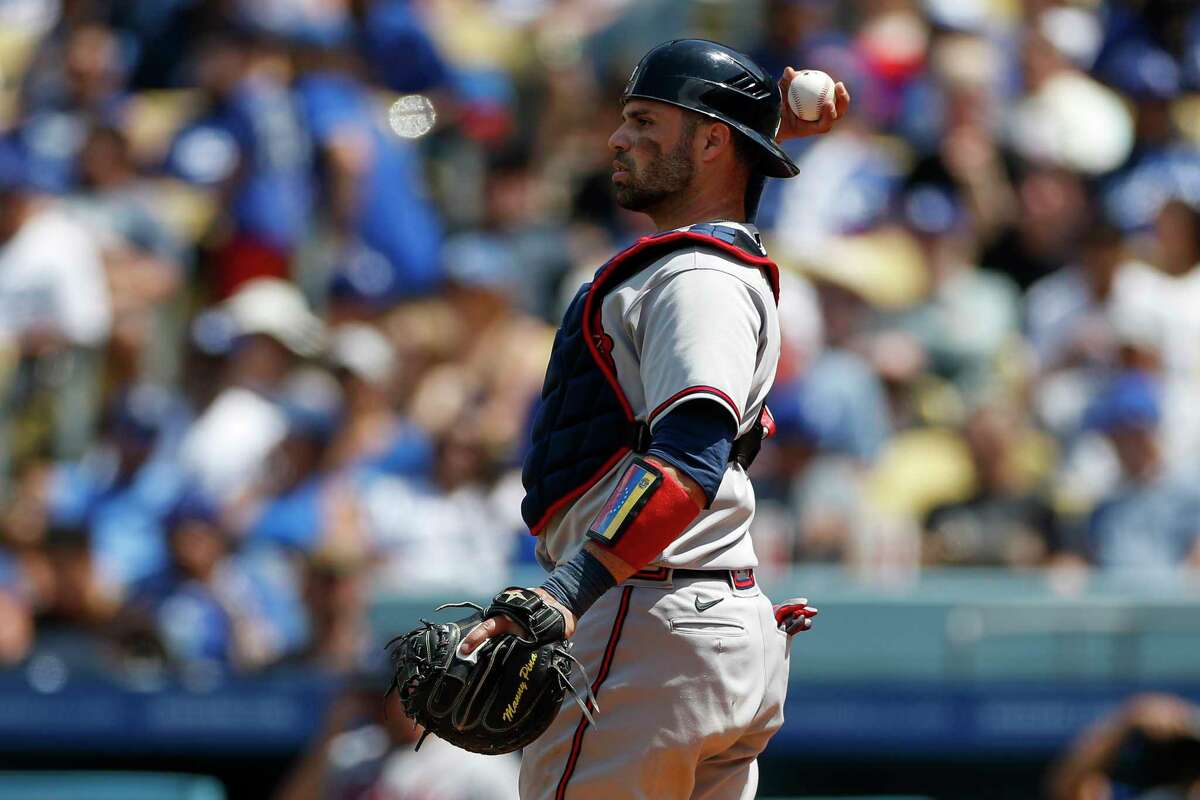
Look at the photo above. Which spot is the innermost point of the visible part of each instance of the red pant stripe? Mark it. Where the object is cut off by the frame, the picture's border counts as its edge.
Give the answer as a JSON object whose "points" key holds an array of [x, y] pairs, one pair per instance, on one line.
{"points": [[605, 664]]}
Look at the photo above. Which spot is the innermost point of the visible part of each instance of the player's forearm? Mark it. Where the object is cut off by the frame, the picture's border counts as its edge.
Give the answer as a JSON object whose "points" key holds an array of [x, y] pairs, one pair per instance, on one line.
{"points": [[596, 568], [617, 568], [656, 498]]}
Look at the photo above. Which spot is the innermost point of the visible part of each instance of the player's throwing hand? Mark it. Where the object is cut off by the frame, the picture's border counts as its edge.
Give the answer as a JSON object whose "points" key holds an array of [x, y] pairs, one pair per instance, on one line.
{"points": [[791, 126]]}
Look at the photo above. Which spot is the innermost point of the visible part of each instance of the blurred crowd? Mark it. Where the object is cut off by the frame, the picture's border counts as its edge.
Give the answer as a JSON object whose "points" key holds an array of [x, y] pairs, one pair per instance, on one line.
{"points": [[278, 282]]}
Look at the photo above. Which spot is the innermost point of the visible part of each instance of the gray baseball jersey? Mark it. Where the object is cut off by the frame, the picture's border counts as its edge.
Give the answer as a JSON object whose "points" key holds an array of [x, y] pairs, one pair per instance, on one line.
{"points": [[694, 324]]}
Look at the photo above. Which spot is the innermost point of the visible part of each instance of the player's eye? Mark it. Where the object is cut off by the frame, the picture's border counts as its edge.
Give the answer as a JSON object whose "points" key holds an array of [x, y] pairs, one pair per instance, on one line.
{"points": [[643, 122]]}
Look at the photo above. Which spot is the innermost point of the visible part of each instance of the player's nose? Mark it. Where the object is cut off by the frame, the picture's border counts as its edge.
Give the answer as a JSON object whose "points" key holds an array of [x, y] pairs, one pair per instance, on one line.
{"points": [[619, 140]]}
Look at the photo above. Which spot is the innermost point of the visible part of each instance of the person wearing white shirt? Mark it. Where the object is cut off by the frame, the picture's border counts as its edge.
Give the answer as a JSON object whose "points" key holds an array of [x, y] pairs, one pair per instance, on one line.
{"points": [[52, 283]]}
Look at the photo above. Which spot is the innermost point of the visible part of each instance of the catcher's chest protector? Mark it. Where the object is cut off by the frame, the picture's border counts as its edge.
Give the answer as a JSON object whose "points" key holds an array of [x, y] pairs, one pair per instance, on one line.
{"points": [[584, 424]]}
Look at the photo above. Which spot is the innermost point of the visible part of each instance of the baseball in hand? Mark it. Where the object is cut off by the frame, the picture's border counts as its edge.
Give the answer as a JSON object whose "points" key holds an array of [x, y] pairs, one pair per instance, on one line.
{"points": [[807, 91]]}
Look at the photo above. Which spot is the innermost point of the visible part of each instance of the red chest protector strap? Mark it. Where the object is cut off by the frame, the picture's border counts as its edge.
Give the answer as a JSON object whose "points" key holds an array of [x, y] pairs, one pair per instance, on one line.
{"points": [[631, 261]]}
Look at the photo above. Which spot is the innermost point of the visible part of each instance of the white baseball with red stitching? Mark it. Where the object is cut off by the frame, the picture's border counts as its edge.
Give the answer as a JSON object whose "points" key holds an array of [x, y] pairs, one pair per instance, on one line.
{"points": [[807, 91]]}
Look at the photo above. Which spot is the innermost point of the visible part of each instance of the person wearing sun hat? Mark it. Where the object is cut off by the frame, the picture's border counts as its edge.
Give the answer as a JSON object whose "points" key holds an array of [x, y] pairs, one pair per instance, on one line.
{"points": [[271, 330]]}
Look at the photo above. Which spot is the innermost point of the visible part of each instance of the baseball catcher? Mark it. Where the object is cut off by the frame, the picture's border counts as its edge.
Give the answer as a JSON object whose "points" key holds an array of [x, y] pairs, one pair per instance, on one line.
{"points": [[636, 479]]}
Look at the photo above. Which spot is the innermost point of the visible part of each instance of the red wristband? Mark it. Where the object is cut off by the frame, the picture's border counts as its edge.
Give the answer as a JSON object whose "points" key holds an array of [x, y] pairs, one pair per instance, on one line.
{"points": [[648, 509]]}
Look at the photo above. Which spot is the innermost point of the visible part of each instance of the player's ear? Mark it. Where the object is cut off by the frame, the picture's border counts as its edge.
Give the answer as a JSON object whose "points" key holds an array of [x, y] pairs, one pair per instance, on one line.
{"points": [[717, 137]]}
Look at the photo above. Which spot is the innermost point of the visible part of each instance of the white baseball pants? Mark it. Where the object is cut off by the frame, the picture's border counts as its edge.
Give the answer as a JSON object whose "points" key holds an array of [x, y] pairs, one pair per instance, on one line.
{"points": [[690, 692]]}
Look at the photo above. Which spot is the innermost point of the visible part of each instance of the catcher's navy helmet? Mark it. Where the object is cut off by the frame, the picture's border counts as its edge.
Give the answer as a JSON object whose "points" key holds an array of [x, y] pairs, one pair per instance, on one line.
{"points": [[718, 82]]}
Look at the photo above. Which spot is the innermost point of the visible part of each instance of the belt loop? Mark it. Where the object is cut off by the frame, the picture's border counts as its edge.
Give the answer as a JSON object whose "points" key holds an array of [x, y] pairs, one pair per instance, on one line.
{"points": [[742, 578], [654, 574]]}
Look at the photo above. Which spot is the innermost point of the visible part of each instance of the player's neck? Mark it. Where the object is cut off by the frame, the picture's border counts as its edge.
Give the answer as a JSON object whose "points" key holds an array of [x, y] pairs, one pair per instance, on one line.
{"points": [[693, 207]]}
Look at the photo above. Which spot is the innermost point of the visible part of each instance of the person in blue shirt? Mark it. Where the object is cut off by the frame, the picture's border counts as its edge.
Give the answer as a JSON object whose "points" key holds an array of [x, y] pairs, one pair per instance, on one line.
{"points": [[181, 602], [293, 506], [373, 178], [1152, 520], [398, 50], [250, 146], [1163, 164], [212, 603], [121, 490], [78, 77], [372, 438]]}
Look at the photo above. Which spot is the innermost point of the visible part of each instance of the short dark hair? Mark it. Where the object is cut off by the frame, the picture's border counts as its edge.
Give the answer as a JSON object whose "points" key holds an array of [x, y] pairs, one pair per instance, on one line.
{"points": [[747, 151], [691, 121]]}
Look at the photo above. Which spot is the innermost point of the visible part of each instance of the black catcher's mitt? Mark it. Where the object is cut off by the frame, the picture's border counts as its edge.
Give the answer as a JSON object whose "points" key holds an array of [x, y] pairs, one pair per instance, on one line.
{"points": [[502, 696]]}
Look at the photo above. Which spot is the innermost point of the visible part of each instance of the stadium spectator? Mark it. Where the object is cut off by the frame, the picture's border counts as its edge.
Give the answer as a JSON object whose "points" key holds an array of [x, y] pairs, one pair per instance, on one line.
{"points": [[492, 355], [447, 530], [1040, 236], [373, 181], [181, 602], [144, 260], [372, 437], [364, 749], [72, 599], [1169, 311], [251, 149], [289, 502], [398, 47], [77, 80], [213, 606], [1149, 750], [121, 489], [16, 615], [55, 318], [965, 353], [334, 586], [1087, 320], [816, 463], [1006, 521], [1151, 519], [268, 330], [53, 292], [1070, 318]]}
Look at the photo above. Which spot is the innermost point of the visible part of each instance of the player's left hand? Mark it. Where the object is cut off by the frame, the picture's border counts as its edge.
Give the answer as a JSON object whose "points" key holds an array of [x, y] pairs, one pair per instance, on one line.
{"points": [[501, 625], [792, 127]]}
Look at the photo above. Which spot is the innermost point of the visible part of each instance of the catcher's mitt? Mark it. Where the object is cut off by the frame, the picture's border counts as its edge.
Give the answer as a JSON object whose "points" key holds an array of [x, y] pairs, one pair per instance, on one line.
{"points": [[502, 696]]}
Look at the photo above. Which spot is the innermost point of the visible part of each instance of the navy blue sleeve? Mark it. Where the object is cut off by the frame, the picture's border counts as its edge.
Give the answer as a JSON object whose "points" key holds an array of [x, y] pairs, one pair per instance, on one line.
{"points": [[696, 437]]}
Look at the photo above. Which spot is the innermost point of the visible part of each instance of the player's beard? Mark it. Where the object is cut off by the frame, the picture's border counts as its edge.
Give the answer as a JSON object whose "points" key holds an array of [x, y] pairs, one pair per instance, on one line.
{"points": [[665, 176]]}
